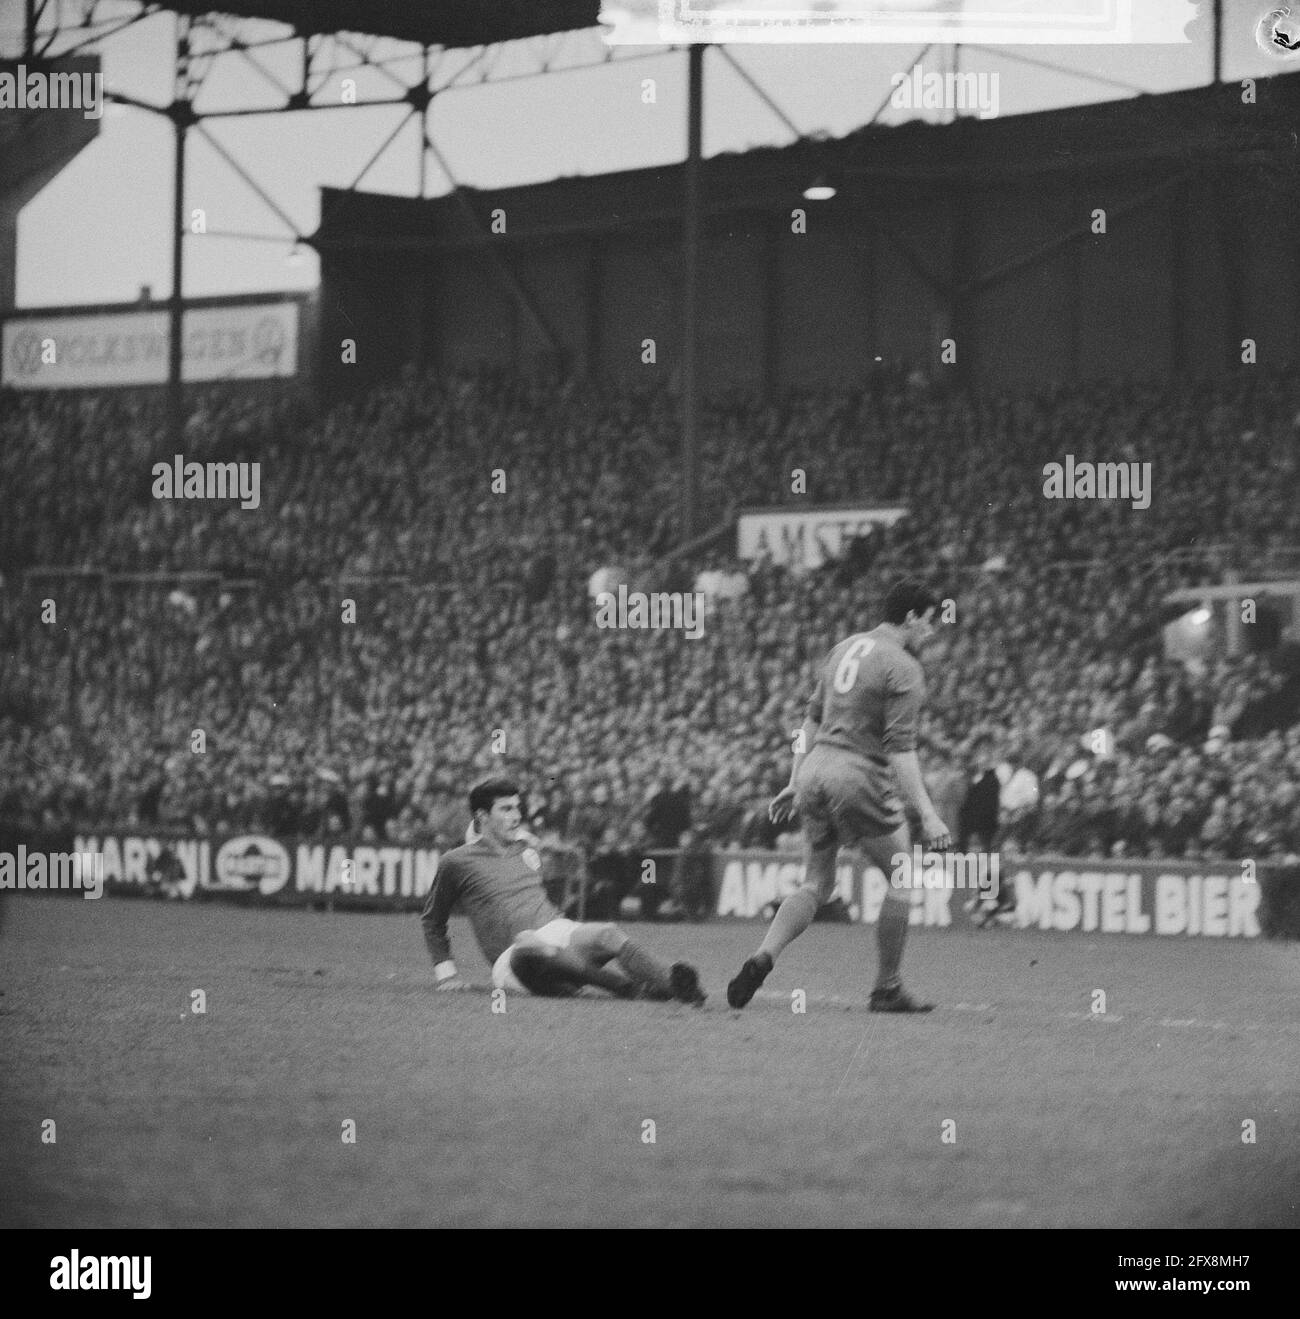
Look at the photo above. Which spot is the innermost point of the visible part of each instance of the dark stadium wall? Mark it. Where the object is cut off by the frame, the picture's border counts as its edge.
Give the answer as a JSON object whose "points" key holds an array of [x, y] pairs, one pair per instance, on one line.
{"points": [[824, 308], [1125, 297], [556, 277], [359, 304], [1202, 290], [1270, 219], [638, 303], [483, 330], [732, 303], [979, 231], [908, 316]]}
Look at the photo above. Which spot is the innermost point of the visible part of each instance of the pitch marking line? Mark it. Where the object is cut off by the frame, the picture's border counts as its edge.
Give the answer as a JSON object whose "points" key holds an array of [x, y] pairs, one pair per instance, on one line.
{"points": [[849, 1068], [1167, 1023]]}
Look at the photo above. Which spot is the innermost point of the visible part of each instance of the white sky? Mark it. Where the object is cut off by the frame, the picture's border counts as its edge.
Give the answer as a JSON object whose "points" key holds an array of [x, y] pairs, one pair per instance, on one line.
{"points": [[100, 230]]}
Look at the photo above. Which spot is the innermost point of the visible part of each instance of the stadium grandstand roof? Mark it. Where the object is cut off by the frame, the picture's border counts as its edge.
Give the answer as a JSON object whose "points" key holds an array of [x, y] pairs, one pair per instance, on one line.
{"points": [[446, 23]]}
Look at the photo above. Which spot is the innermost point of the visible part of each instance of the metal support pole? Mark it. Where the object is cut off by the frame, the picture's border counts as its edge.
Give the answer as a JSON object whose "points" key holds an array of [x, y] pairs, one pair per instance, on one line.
{"points": [[29, 31], [422, 163], [1218, 42], [180, 122], [690, 286]]}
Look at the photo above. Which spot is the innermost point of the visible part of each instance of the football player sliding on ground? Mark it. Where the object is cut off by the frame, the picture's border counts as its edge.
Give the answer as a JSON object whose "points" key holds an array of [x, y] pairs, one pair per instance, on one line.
{"points": [[496, 881], [860, 739]]}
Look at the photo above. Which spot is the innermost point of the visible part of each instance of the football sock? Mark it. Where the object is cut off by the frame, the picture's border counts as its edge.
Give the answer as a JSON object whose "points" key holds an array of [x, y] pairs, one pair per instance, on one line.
{"points": [[646, 969], [891, 936], [793, 917]]}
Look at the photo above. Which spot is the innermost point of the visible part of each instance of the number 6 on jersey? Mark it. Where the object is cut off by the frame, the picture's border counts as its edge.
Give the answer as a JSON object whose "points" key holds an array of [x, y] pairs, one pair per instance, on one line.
{"points": [[846, 671]]}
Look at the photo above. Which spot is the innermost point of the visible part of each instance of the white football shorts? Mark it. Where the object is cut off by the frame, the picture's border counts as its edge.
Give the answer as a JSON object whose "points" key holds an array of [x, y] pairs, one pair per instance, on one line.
{"points": [[557, 933]]}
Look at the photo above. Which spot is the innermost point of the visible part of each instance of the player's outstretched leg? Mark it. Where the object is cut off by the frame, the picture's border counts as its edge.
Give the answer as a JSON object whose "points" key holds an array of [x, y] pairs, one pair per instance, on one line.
{"points": [[792, 918], [545, 971], [890, 852], [552, 972], [654, 979]]}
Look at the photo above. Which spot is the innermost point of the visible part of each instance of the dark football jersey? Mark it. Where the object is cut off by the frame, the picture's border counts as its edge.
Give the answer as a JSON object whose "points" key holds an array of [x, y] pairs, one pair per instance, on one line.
{"points": [[500, 892], [868, 698]]}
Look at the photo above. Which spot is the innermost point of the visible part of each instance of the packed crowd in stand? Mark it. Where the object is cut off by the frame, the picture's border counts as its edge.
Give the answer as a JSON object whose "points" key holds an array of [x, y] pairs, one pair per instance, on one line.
{"points": [[474, 646]]}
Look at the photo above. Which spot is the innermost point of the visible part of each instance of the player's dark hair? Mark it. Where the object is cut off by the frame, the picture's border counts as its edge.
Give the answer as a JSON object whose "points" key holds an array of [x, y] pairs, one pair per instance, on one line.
{"points": [[483, 796], [908, 596]]}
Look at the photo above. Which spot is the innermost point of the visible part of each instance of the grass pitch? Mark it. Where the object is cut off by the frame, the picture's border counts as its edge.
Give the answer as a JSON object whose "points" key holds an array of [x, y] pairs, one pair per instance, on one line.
{"points": [[538, 1115]]}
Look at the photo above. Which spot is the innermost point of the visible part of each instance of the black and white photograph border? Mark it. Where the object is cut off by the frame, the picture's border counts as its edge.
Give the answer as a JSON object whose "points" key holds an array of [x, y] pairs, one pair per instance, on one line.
{"points": [[645, 616]]}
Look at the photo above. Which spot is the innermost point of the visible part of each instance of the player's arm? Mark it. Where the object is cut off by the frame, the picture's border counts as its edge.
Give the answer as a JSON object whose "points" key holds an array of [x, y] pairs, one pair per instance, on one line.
{"points": [[903, 694], [907, 770], [807, 732], [437, 911], [782, 805]]}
